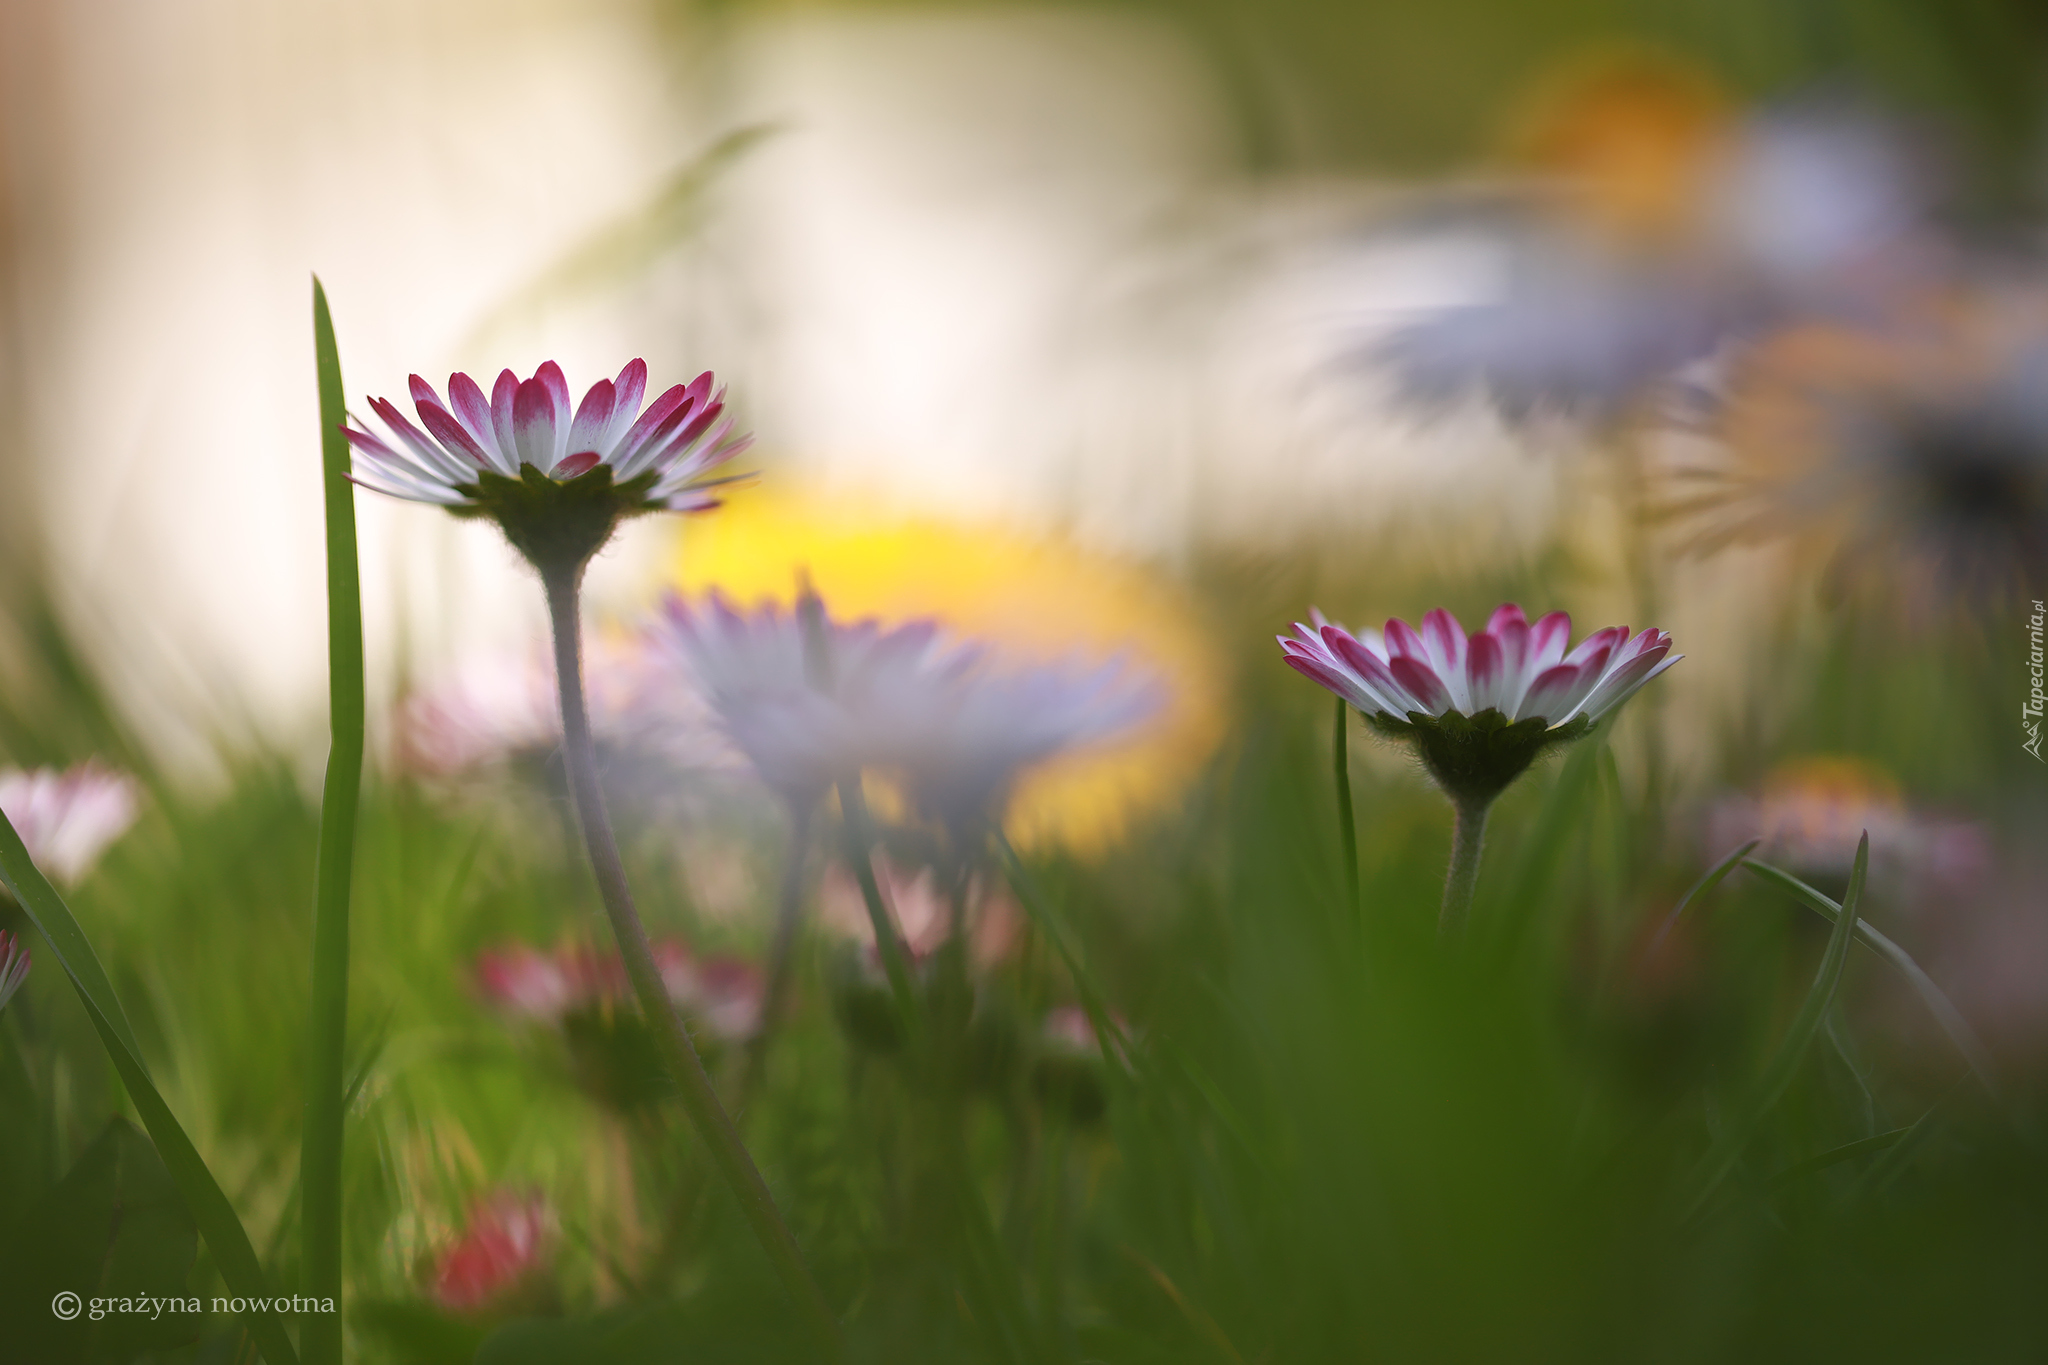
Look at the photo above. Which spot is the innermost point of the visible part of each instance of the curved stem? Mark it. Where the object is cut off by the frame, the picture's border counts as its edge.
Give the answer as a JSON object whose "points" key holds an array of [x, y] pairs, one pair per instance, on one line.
{"points": [[1467, 836], [860, 842], [1347, 824], [679, 1055]]}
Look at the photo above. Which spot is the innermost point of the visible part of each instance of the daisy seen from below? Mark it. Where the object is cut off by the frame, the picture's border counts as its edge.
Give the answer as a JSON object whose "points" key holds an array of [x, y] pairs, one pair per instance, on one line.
{"points": [[1477, 708], [557, 478]]}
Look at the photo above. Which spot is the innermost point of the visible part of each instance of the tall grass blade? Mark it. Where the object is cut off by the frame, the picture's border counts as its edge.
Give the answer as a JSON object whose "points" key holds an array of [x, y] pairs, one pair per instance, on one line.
{"points": [[1938, 1004], [1784, 1064], [326, 1080], [209, 1207]]}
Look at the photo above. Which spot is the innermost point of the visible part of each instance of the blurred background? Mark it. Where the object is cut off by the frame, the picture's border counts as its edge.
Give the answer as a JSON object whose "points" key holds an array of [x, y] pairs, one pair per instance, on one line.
{"points": [[1101, 271]]}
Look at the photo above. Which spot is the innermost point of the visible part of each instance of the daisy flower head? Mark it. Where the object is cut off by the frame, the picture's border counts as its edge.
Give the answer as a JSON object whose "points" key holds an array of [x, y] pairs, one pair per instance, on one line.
{"points": [[557, 476], [962, 732], [68, 818], [1912, 460], [13, 966], [1480, 707]]}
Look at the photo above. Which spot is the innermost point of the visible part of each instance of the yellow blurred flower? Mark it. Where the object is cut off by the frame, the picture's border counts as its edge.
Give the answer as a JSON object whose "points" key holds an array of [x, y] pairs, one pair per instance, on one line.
{"points": [[1040, 600]]}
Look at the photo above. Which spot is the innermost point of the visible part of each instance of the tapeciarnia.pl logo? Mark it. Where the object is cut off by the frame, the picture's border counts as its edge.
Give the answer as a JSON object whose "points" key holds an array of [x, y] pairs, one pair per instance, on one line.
{"points": [[2030, 712]]}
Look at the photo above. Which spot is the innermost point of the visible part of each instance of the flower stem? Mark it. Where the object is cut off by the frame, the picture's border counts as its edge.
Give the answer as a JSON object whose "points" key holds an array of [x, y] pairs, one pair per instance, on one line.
{"points": [[1347, 824], [853, 808], [693, 1086], [789, 905], [1467, 836], [327, 1035]]}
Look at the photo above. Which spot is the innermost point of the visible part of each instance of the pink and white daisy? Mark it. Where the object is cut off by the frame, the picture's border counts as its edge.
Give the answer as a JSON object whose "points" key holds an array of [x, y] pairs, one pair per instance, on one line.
{"points": [[13, 966], [666, 450], [1518, 670], [68, 818], [1479, 708], [556, 478]]}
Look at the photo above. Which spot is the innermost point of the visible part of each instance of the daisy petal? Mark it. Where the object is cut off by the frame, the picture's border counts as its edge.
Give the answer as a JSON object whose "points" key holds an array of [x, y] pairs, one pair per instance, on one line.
{"points": [[533, 425]]}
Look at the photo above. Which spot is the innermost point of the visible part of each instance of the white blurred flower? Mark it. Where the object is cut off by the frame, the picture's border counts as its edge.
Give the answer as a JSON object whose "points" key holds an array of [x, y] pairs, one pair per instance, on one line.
{"points": [[68, 818], [907, 700]]}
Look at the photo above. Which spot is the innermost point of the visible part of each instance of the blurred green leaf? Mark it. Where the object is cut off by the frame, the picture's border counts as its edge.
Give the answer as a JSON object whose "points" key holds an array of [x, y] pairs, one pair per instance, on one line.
{"points": [[113, 1228]]}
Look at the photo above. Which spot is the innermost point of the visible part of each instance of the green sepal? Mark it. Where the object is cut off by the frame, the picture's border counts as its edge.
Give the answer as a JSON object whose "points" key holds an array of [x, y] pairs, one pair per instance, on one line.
{"points": [[557, 521], [1474, 758]]}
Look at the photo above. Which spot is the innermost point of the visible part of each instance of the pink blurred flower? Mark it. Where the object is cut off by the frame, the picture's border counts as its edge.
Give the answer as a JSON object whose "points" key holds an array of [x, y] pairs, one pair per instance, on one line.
{"points": [[921, 909], [1067, 1028], [13, 967], [659, 458], [68, 818], [1812, 812], [526, 983], [504, 1249]]}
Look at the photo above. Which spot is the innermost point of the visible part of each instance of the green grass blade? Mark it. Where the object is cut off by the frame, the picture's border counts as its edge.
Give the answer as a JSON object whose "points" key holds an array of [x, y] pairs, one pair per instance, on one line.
{"points": [[1116, 1049], [1700, 889], [1938, 1004], [209, 1207], [1784, 1064], [1835, 1156], [326, 1082]]}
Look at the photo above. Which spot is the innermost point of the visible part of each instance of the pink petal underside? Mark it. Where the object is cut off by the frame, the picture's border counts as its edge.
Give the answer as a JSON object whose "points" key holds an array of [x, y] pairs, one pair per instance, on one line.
{"points": [[1445, 639], [658, 412], [593, 418], [1327, 677], [582, 462], [675, 436], [473, 410], [1421, 682], [450, 432], [533, 425], [1548, 695], [1603, 640], [1355, 654], [429, 456], [698, 389], [1486, 671], [550, 374], [1513, 637], [503, 394], [1622, 680], [1548, 637], [632, 387], [1503, 614], [1403, 639]]}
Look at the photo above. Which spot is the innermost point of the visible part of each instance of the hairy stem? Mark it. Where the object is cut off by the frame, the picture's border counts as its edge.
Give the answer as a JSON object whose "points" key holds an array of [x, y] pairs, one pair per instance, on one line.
{"points": [[693, 1085], [1467, 837], [1347, 824]]}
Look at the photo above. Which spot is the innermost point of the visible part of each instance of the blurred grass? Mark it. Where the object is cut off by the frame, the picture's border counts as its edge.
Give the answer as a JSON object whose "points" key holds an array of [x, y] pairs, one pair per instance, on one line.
{"points": [[1338, 1142]]}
